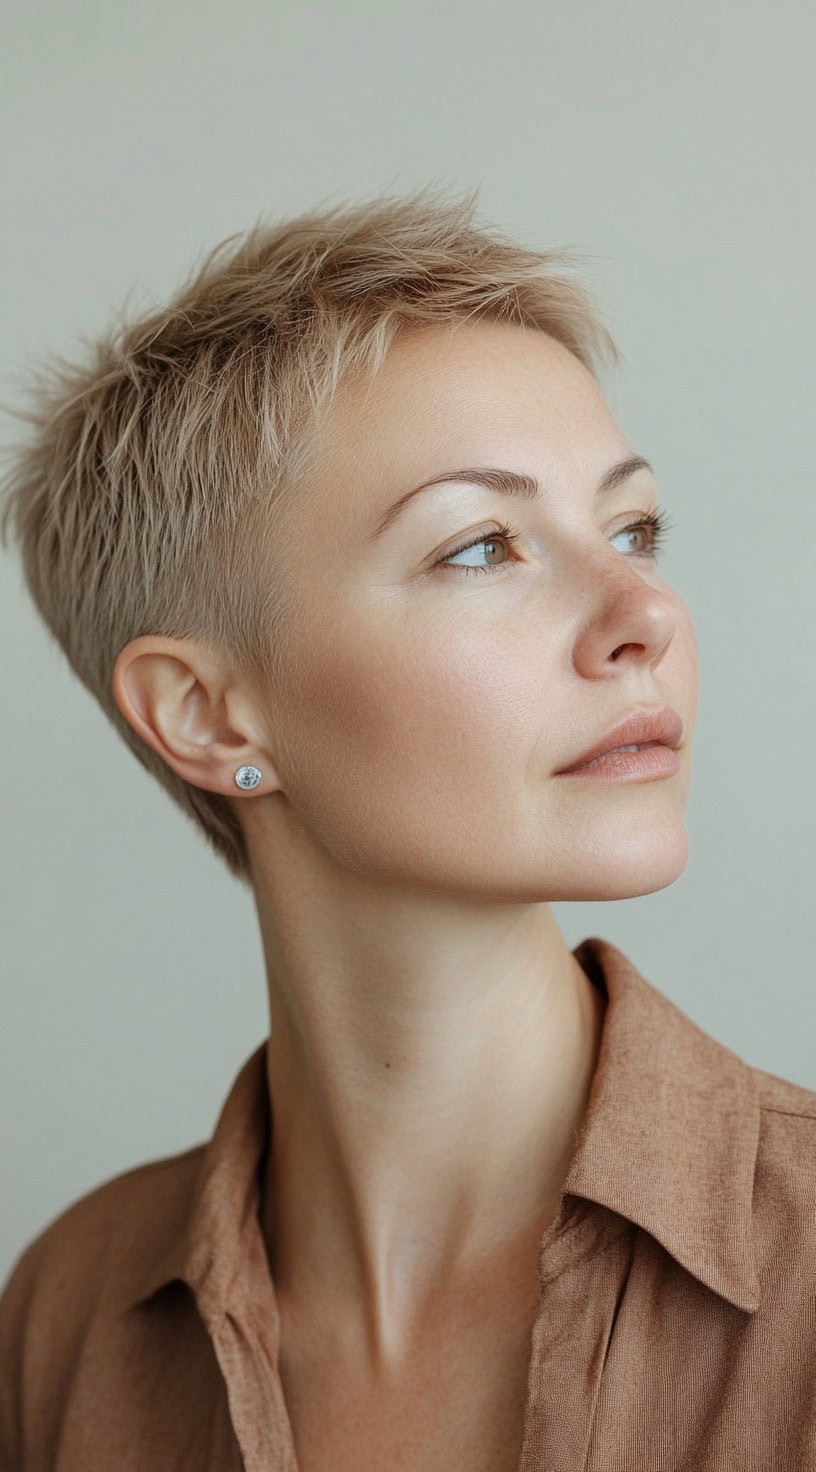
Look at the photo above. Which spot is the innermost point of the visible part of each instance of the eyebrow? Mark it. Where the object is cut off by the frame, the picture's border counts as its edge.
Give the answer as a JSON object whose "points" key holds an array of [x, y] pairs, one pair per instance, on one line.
{"points": [[509, 483]]}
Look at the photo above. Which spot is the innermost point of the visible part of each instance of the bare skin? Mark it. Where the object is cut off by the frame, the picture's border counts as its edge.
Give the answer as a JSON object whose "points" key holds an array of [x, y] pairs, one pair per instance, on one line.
{"points": [[434, 1040]]}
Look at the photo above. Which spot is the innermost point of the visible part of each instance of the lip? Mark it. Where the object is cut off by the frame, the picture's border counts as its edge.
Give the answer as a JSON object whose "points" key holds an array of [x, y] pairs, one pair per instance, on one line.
{"points": [[647, 723]]}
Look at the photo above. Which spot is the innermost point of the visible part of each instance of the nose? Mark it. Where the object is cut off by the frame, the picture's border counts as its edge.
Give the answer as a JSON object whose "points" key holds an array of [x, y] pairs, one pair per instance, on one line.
{"points": [[626, 617]]}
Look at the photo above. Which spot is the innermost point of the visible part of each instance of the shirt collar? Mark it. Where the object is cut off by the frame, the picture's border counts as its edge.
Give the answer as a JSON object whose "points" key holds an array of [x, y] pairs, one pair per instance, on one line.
{"points": [[669, 1141], [670, 1136], [220, 1228]]}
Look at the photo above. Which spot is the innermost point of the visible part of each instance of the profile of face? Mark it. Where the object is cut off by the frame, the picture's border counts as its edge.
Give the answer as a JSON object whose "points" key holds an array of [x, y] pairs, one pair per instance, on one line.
{"points": [[431, 695]]}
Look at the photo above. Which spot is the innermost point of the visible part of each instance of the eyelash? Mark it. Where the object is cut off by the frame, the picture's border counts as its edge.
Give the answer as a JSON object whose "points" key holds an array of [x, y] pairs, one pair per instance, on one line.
{"points": [[656, 522]]}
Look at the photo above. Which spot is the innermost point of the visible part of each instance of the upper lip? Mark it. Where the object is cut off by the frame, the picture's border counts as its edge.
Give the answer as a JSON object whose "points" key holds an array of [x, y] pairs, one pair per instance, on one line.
{"points": [[647, 723]]}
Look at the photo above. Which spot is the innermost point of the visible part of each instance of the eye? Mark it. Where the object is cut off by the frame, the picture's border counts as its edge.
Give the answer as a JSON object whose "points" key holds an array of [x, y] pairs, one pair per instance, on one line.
{"points": [[488, 539], [651, 527]]}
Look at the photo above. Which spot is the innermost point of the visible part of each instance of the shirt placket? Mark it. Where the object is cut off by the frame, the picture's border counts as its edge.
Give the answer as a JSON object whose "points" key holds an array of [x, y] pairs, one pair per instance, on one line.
{"points": [[244, 1327], [583, 1267]]}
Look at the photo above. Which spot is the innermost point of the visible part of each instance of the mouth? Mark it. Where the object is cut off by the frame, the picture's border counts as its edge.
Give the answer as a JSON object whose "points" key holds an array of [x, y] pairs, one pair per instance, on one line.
{"points": [[644, 746], [641, 729], [634, 763]]}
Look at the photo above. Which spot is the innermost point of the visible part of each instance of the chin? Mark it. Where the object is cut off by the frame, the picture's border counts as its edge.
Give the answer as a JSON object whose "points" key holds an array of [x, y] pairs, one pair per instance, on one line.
{"points": [[641, 862]]}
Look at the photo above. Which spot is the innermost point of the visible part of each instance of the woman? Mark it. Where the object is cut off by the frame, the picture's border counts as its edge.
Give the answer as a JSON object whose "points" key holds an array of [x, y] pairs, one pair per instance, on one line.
{"points": [[349, 546]]}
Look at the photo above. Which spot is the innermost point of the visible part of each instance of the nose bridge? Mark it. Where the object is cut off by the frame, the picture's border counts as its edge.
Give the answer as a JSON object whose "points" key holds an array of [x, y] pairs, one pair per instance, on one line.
{"points": [[600, 567]]}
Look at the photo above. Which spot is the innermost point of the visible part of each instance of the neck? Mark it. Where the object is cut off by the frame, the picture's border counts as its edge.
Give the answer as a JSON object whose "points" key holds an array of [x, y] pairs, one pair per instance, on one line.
{"points": [[427, 1076]]}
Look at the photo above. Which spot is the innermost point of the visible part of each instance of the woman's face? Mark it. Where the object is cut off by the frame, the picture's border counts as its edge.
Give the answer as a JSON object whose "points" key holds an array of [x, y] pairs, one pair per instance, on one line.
{"points": [[425, 709]]}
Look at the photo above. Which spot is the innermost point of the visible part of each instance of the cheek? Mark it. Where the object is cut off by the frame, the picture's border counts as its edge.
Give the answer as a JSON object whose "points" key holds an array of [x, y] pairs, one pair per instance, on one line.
{"points": [[414, 738]]}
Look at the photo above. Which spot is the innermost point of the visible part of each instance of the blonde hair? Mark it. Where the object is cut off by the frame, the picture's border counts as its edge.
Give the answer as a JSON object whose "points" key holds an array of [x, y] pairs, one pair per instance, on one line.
{"points": [[143, 501]]}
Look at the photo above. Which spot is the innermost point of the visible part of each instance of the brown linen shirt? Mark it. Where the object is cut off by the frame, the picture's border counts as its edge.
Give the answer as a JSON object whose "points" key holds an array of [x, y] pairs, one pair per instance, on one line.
{"points": [[676, 1321]]}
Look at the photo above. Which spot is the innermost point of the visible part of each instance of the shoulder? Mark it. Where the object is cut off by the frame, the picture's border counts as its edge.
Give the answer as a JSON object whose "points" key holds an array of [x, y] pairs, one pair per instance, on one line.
{"points": [[71, 1280], [91, 1249]]}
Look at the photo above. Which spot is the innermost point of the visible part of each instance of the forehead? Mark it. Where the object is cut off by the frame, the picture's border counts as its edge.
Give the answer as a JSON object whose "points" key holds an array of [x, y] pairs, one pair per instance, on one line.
{"points": [[472, 391]]}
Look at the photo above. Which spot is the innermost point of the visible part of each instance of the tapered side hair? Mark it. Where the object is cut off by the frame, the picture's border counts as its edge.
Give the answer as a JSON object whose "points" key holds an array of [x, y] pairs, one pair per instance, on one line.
{"points": [[144, 498]]}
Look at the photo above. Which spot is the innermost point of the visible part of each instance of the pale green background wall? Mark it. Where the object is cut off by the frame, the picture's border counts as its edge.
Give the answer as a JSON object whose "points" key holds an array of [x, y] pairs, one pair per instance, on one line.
{"points": [[673, 141]]}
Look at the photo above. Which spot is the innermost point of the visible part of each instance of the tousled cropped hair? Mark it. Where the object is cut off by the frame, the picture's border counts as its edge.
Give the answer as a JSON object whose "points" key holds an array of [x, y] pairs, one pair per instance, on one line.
{"points": [[143, 501]]}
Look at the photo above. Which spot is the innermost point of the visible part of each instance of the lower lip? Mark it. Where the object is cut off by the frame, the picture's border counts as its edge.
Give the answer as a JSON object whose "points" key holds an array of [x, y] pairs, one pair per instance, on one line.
{"points": [[629, 766]]}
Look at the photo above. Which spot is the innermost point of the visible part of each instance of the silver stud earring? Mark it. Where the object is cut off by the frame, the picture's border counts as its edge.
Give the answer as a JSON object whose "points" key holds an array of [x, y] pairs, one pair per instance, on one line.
{"points": [[247, 776]]}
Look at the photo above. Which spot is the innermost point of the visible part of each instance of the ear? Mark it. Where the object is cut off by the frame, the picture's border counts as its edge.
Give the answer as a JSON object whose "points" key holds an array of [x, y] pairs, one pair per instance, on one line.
{"points": [[184, 703]]}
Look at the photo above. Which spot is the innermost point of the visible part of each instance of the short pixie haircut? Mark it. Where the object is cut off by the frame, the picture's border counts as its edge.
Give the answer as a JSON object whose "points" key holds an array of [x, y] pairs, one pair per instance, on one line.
{"points": [[143, 501]]}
